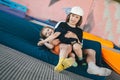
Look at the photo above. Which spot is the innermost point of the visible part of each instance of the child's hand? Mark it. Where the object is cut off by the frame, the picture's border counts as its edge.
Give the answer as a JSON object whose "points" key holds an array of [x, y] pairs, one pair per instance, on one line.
{"points": [[40, 43], [41, 39], [70, 34], [55, 42]]}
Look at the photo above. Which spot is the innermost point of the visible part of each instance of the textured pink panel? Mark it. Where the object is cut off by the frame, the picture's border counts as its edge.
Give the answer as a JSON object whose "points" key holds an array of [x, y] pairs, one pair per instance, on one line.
{"points": [[107, 20]]}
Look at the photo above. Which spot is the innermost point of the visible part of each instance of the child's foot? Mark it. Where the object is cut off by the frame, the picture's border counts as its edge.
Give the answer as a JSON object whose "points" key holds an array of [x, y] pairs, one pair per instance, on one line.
{"points": [[68, 62], [84, 64], [99, 71], [59, 68], [75, 64]]}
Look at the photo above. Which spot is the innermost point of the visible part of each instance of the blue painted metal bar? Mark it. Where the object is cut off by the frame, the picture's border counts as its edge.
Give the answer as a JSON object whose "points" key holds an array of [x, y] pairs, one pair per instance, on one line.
{"points": [[14, 5]]}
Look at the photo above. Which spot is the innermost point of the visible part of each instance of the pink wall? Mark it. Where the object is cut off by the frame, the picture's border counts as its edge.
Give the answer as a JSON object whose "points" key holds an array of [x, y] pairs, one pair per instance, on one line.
{"points": [[101, 16], [107, 20]]}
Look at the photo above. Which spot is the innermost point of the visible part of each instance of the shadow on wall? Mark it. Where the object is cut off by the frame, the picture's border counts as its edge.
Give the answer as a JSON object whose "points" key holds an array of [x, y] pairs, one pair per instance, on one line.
{"points": [[89, 25], [116, 1]]}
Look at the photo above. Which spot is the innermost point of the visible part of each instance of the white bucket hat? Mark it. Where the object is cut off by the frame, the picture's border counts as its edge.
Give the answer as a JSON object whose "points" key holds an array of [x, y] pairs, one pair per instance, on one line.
{"points": [[77, 10]]}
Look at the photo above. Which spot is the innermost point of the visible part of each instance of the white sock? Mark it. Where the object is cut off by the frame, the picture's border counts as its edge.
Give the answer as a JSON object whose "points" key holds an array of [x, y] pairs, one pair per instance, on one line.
{"points": [[94, 69]]}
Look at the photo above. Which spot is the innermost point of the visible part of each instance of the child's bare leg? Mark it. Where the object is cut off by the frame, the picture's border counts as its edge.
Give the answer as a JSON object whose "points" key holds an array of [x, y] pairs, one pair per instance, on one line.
{"points": [[92, 67], [77, 49], [64, 51], [90, 55], [70, 61], [72, 55]]}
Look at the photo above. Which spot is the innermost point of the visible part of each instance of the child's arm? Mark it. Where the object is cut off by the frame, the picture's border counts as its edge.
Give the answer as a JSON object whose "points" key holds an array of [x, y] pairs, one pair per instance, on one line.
{"points": [[55, 42], [48, 45], [50, 38], [71, 35]]}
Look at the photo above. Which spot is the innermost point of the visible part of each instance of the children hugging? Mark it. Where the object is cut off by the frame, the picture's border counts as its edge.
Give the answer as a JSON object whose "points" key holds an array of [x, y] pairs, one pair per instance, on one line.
{"points": [[66, 40]]}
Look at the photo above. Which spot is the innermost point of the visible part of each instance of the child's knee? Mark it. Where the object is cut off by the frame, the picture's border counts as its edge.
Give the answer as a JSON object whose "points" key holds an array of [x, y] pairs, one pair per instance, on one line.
{"points": [[67, 48], [77, 46], [90, 51], [72, 55]]}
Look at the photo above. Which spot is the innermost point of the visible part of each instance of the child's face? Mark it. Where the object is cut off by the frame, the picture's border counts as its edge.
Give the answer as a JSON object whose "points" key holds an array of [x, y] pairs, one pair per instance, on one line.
{"points": [[74, 19], [47, 32]]}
